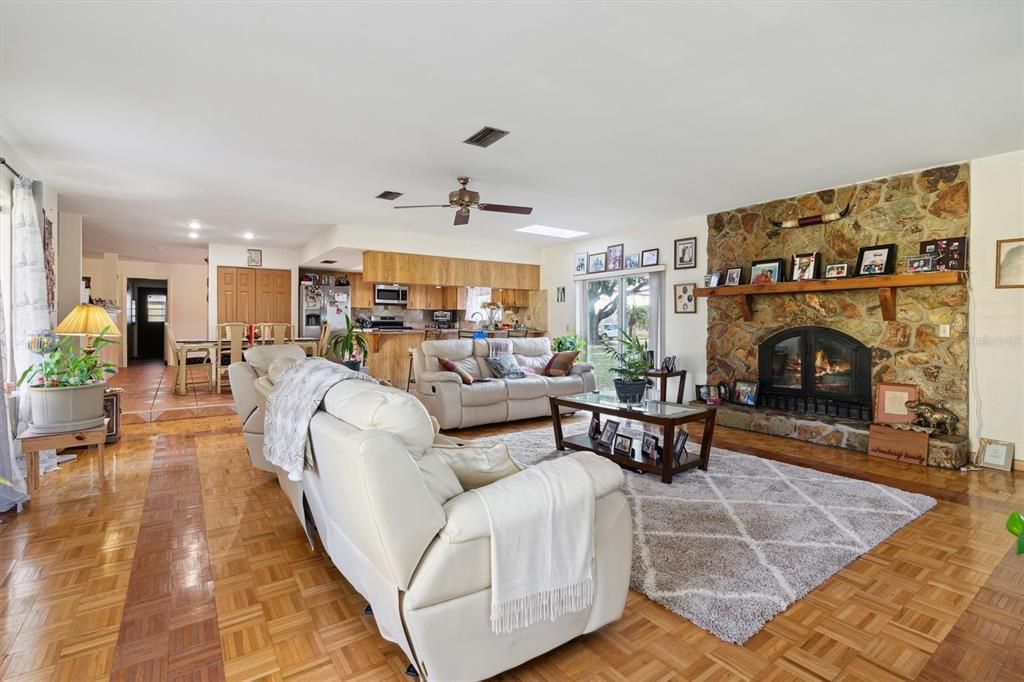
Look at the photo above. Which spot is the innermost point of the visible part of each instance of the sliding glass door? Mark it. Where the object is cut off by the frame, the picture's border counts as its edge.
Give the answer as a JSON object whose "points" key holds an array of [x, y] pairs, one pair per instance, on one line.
{"points": [[610, 307]]}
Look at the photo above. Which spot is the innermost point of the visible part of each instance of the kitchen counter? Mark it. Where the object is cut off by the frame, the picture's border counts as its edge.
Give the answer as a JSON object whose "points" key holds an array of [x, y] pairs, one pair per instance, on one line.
{"points": [[389, 353]]}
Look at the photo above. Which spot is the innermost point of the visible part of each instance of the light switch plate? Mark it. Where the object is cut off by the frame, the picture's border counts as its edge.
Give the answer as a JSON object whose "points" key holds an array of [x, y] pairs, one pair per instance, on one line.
{"points": [[944, 331]]}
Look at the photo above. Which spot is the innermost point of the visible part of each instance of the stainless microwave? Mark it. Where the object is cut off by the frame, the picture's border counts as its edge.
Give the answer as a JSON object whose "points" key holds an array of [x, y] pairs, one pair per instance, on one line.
{"points": [[390, 294]]}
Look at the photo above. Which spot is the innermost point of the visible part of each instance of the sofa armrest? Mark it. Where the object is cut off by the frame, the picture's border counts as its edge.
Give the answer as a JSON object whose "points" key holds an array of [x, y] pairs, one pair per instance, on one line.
{"points": [[243, 377], [581, 368], [468, 519], [438, 377]]}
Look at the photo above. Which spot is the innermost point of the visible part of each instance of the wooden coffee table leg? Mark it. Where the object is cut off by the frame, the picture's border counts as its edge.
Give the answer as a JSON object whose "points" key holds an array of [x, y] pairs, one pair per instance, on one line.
{"points": [[705, 441], [668, 455], [556, 421], [32, 465], [682, 387], [664, 388]]}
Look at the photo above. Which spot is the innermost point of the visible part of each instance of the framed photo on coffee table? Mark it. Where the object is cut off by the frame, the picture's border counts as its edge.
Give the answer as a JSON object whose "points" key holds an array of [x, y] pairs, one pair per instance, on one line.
{"points": [[623, 445], [611, 427]]}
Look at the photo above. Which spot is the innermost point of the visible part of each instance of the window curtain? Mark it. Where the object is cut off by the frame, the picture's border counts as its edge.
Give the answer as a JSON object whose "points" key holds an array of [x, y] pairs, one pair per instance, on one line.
{"points": [[30, 311]]}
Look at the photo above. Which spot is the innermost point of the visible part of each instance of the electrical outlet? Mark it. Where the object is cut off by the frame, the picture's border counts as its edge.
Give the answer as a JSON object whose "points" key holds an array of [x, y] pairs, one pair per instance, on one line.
{"points": [[944, 331]]}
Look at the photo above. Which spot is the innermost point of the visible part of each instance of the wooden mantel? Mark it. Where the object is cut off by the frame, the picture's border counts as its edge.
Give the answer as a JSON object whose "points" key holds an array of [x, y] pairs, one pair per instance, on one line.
{"points": [[886, 285]]}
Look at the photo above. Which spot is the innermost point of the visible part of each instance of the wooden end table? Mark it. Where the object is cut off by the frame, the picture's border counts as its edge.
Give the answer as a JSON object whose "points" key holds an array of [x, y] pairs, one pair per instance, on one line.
{"points": [[663, 377], [33, 442], [667, 416]]}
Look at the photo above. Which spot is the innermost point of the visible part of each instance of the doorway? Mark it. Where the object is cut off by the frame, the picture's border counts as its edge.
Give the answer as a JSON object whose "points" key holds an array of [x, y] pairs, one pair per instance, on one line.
{"points": [[613, 307], [147, 314]]}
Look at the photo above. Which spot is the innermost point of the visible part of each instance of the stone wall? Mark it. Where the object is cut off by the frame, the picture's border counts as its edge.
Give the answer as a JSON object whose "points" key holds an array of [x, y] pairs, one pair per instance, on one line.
{"points": [[903, 209]]}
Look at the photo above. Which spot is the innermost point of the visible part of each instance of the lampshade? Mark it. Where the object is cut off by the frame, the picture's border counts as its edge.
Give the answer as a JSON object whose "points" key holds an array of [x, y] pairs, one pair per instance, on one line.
{"points": [[87, 320]]}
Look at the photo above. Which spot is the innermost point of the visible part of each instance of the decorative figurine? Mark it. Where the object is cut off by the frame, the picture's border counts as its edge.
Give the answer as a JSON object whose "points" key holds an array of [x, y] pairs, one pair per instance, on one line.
{"points": [[934, 416]]}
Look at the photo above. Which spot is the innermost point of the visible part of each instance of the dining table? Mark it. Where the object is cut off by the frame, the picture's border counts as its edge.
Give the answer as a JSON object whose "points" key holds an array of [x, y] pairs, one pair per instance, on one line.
{"points": [[310, 344]]}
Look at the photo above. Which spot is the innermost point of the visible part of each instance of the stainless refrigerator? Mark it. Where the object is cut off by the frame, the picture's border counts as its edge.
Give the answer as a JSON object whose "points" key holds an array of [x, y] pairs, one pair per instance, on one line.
{"points": [[323, 304]]}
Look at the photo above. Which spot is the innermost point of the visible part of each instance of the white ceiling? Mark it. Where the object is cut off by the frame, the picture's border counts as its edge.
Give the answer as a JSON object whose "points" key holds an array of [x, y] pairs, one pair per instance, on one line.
{"points": [[282, 118]]}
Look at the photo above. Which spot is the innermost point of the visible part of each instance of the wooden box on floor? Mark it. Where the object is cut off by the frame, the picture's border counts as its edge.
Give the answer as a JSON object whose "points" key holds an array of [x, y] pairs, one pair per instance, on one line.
{"points": [[897, 444]]}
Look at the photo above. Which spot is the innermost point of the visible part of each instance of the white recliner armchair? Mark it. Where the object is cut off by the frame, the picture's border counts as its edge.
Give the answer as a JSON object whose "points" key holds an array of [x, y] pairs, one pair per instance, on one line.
{"points": [[423, 564]]}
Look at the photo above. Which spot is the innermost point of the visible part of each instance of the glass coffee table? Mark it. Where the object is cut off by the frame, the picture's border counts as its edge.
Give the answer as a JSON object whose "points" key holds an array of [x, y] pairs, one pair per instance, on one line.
{"points": [[652, 416]]}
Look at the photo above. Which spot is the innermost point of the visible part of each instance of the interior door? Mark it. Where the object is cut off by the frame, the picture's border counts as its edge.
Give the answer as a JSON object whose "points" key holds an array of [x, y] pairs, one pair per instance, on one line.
{"points": [[151, 315]]}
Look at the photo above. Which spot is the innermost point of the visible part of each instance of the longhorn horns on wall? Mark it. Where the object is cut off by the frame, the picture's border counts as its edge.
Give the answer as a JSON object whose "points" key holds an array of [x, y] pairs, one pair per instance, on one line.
{"points": [[820, 219]]}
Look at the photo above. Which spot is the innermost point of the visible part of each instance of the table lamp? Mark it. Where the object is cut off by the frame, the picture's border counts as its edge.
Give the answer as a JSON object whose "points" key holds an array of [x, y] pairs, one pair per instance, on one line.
{"points": [[87, 320]]}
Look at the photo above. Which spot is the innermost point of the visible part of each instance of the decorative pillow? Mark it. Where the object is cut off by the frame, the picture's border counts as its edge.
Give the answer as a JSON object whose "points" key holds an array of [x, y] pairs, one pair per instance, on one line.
{"points": [[439, 478], [449, 366], [505, 367], [477, 465], [530, 370], [561, 364]]}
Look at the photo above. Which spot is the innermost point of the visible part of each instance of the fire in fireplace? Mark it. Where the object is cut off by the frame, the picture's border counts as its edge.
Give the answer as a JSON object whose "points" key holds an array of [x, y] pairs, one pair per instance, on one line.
{"points": [[815, 370]]}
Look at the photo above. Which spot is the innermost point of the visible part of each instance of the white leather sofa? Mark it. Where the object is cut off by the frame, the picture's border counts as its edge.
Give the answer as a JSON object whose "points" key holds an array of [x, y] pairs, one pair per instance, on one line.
{"points": [[244, 377], [457, 406], [424, 567]]}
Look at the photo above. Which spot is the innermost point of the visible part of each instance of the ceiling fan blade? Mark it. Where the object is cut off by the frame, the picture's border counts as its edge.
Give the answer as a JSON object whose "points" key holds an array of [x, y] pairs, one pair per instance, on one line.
{"points": [[461, 218], [502, 208], [426, 206]]}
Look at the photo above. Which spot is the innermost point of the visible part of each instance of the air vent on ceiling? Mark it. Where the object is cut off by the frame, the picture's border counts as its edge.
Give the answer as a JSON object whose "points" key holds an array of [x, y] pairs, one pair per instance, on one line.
{"points": [[328, 262], [389, 195], [486, 137]]}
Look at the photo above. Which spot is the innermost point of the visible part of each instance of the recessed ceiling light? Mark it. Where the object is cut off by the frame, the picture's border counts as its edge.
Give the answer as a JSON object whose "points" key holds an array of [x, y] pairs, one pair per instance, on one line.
{"points": [[548, 231], [248, 235], [193, 235], [194, 225]]}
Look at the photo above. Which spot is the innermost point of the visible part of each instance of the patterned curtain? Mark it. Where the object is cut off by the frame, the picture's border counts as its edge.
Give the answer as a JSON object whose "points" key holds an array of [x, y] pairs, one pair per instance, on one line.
{"points": [[30, 310]]}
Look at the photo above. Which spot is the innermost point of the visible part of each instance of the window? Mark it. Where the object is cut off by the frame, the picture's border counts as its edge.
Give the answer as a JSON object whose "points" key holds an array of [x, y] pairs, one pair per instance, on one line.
{"points": [[156, 307], [611, 306], [475, 298]]}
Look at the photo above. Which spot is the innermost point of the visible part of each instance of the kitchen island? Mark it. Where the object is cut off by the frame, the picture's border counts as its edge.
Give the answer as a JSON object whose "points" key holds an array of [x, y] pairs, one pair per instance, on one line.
{"points": [[389, 354]]}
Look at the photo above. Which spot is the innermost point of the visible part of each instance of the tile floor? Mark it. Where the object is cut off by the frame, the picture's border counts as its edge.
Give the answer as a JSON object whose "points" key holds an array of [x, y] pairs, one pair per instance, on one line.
{"points": [[149, 394]]}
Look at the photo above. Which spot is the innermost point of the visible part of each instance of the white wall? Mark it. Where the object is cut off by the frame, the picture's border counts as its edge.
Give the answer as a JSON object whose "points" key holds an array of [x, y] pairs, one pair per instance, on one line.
{"points": [[685, 335], [997, 315], [233, 255], [186, 293]]}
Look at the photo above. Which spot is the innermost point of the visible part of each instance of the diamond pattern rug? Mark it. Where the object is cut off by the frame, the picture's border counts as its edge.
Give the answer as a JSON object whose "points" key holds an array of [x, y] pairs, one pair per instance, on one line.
{"points": [[730, 548]]}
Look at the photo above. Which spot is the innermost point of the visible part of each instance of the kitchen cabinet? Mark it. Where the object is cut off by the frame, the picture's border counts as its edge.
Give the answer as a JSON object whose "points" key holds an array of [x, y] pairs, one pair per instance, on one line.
{"points": [[425, 297], [360, 291], [455, 298], [512, 299], [386, 266]]}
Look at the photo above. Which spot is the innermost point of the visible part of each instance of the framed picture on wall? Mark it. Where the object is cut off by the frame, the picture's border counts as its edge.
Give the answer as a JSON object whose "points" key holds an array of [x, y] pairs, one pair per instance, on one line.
{"points": [[596, 262], [632, 261], [579, 264], [806, 266], [686, 302], [649, 257], [767, 271], [1010, 263], [615, 257], [254, 258], [686, 253], [876, 260]]}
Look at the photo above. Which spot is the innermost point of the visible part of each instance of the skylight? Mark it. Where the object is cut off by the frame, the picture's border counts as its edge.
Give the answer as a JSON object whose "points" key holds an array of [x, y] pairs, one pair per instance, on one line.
{"points": [[548, 231]]}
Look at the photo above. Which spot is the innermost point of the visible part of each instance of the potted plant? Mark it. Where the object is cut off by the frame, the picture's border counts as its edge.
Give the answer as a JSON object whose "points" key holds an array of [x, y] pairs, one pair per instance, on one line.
{"points": [[634, 363], [66, 387], [343, 346], [568, 342]]}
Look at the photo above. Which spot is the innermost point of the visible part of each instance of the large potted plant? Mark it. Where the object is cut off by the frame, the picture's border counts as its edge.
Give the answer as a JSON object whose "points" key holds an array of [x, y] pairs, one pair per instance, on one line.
{"points": [[344, 345], [633, 365], [66, 387]]}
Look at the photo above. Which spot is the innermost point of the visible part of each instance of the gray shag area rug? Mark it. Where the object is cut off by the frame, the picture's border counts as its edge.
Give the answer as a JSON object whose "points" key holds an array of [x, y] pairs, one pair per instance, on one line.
{"points": [[732, 547]]}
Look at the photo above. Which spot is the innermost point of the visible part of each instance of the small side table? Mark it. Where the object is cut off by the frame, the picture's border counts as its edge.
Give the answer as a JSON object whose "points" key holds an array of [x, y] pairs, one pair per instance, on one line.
{"points": [[663, 378], [32, 443]]}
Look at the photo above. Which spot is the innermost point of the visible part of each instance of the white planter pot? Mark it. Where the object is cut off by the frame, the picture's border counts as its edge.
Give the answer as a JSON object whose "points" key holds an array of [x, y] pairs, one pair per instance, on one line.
{"points": [[67, 408]]}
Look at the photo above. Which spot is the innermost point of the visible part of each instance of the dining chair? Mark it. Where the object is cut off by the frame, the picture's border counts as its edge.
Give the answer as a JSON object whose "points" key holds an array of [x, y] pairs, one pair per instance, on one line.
{"points": [[230, 336], [278, 332], [186, 354], [517, 334]]}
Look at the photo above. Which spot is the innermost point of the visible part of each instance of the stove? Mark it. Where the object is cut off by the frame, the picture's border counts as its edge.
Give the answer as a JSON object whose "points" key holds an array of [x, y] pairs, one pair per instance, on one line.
{"points": [[388, 323]]}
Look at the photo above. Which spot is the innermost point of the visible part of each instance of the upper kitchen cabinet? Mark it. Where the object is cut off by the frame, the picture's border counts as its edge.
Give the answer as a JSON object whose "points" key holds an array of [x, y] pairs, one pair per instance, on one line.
{"points": [[360, 290], [455, 298], [426, 297], [385, 266]]}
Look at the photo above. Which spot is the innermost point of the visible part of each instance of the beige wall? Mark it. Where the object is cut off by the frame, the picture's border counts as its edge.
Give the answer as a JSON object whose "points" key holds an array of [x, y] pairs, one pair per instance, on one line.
{"points": [[997, 315], [69, 264], [186, 292]]}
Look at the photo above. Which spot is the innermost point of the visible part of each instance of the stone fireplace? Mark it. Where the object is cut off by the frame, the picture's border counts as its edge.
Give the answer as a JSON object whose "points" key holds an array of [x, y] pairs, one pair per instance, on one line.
{"points": [[816, 371], [818, 356]]}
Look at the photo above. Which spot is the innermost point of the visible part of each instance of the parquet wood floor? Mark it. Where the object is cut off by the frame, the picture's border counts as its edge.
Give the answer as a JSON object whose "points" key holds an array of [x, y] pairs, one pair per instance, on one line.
{"points": [[189, 564]]}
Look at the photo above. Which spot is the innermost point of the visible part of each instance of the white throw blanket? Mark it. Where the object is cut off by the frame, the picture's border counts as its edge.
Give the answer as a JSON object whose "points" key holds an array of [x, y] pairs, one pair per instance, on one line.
{"points": [[542, 543], [296, 396]]}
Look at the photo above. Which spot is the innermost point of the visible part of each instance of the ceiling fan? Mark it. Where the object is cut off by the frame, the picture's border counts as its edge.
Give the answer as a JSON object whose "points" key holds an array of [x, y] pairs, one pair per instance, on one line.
{"points": [[464, 199]]}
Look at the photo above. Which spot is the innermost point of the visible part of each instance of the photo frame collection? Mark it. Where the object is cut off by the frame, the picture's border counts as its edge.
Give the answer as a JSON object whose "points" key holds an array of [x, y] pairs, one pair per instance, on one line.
{"points": [[936, 255], [613, 259]]}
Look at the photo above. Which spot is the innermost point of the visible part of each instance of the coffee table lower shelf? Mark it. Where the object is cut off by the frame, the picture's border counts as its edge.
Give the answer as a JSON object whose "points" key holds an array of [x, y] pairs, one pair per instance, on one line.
{"points": [[645, 464]]}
